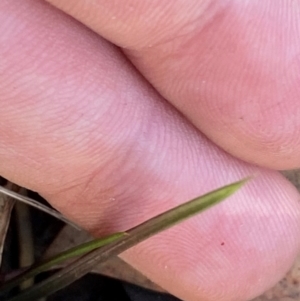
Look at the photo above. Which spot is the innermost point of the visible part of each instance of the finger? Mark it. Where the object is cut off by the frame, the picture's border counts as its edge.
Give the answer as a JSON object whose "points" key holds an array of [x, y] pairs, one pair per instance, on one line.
{"points": [[229, 66], [79, 126]]}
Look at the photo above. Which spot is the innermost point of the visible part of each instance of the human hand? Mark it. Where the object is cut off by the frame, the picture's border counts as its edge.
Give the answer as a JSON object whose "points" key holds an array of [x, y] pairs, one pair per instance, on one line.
{"points": [[84, 128]]}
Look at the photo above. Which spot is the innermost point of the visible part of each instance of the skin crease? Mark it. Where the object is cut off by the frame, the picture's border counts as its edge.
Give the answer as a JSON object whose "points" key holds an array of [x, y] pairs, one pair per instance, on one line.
{"points": [[227, 63], [82, 127]]}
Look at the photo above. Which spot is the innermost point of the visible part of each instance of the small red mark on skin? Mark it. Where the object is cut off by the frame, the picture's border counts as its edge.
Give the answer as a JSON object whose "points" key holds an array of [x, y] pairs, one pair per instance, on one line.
{"points": [[223, 243]]}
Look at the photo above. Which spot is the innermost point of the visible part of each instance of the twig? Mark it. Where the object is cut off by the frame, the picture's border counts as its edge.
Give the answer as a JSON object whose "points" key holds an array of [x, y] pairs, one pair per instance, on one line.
{"points": [[25, 237], [6, 206], [37, 205]]}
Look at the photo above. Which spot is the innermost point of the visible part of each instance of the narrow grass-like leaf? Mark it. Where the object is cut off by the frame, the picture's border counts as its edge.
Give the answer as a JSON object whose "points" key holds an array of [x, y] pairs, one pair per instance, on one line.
{"points": [[57, 259], [36, 205], [135, 235]]}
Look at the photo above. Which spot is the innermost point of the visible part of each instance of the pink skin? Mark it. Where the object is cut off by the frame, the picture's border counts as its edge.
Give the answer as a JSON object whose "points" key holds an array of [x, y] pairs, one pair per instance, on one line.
{"points": [[231, 67], [82, 127]]}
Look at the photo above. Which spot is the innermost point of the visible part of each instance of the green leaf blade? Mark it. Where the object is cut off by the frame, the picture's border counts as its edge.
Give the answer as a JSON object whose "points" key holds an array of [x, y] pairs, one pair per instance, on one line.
{"points": [[135, 235], [57, 259]]}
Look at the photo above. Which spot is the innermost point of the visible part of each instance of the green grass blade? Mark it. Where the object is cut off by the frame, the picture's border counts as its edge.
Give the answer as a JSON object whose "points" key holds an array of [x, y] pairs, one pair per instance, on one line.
{"points": [[151, 227], [57, 259]]}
